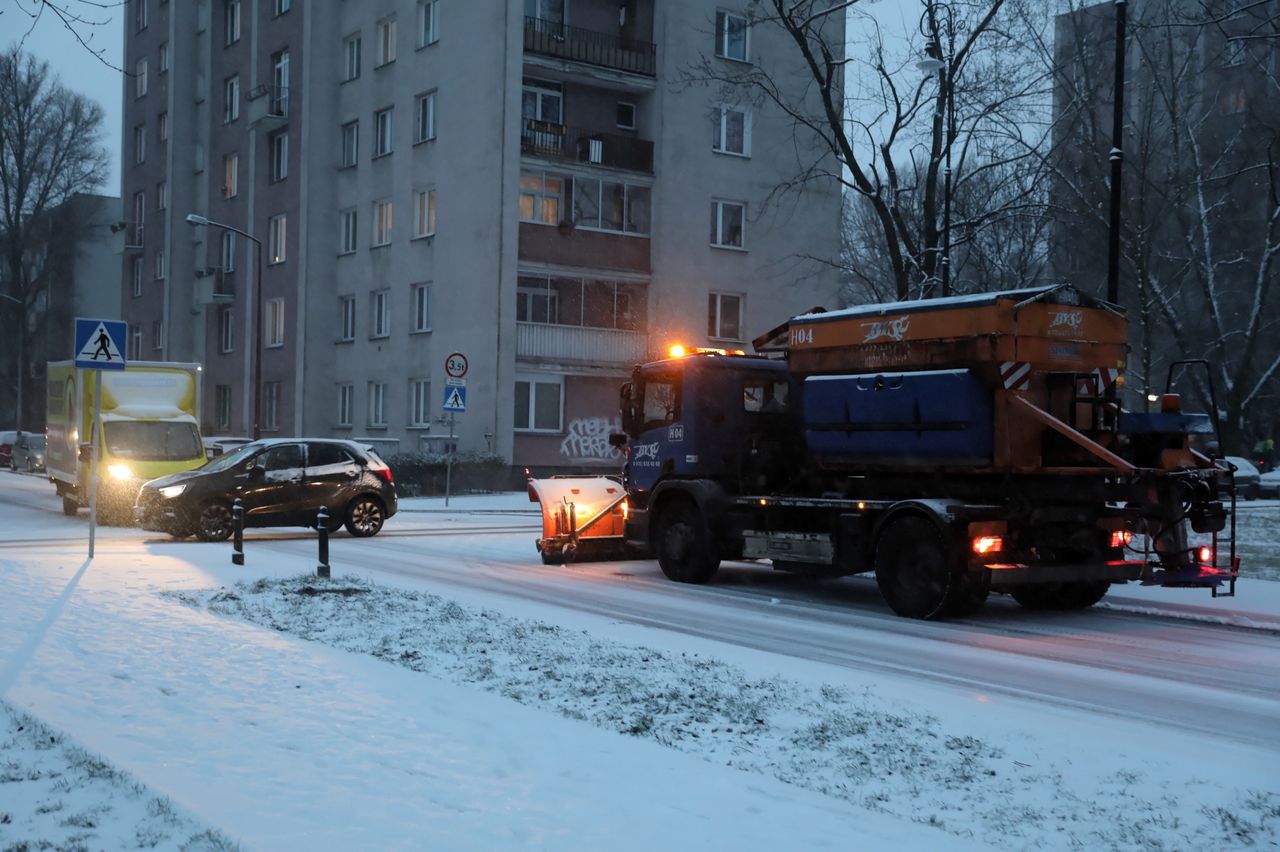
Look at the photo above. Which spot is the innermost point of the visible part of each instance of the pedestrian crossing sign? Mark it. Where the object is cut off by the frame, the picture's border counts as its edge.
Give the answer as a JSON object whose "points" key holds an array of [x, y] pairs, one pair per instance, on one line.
{"points": [[455, 398], [100, 344]]}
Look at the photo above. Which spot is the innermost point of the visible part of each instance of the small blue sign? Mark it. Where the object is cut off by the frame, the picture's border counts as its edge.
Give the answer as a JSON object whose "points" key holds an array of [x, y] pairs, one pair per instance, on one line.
{"points": [[100, 344], [455, 398]]}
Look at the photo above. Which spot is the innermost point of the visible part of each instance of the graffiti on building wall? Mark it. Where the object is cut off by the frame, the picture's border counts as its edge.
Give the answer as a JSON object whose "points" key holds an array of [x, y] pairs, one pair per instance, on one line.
{"points": [[587, 441]]}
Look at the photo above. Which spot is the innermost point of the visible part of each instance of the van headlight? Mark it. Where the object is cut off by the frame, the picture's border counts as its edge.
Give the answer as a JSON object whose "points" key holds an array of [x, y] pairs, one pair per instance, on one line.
{"points": [[172, 491], [119, 471]]}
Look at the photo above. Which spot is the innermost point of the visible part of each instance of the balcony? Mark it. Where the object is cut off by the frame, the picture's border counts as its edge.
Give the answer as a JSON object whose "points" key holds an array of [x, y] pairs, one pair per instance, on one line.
{"points": [[215, 285], [268, 104], [600, 346], [552, 38], [545, 139]]}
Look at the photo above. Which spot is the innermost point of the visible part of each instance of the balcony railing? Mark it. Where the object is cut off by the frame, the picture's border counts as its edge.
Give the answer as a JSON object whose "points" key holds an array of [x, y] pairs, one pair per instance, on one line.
{"points": [[604, 346], [552, 38], [268, 102], [545, 139]]}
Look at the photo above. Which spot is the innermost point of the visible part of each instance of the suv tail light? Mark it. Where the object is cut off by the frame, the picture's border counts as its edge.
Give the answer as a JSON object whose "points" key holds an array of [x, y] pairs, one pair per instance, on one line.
{"points": [[380, 468]]}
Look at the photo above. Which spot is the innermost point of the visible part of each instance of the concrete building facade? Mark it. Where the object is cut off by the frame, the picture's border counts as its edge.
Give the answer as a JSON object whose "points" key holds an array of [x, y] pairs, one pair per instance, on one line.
{"points": [[535, 187]]}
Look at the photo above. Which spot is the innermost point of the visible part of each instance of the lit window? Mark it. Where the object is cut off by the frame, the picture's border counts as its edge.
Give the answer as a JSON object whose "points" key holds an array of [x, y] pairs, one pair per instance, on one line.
{"points": [[727, 219], [230, 175], [540, 198]]}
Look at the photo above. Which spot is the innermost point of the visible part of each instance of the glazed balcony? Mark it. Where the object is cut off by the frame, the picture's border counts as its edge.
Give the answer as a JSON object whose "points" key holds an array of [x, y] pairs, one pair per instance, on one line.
{"points": [[552, 38], [599, 346], [546, 139]]}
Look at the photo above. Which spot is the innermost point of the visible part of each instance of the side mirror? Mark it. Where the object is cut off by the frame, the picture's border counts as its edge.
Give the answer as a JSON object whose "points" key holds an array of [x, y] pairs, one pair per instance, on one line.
{"points": [[86, 453], [617, 440]]}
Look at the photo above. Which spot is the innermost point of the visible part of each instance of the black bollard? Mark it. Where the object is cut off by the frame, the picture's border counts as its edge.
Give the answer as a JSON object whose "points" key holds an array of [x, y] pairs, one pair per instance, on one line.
{"points": [[237, 532], [322, 527]]}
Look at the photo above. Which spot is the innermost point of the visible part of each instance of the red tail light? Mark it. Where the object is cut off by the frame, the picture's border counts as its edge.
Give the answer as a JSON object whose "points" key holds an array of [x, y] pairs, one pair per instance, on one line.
{"points": [[984, 544], [383, 471], [1121, 538], [1205, 555]]}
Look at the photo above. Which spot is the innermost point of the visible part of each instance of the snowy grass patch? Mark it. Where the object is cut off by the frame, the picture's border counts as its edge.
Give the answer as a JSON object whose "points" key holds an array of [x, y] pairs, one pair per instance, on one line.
{"points": [[56, 795], [849, 744]]}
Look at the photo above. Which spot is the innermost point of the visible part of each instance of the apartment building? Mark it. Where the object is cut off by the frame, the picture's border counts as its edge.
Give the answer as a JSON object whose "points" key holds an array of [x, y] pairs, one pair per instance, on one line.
{"points": [[533, 187]]}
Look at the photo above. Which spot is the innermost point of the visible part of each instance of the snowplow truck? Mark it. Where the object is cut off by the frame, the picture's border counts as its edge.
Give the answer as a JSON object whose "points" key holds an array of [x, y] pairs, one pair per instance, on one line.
{"points": [[150, 428], [954, 447]]}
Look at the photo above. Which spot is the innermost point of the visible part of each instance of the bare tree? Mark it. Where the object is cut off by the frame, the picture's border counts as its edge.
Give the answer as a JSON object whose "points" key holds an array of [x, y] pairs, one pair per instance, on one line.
{"points": [[880, 128], [83, 19], [49, 151]]}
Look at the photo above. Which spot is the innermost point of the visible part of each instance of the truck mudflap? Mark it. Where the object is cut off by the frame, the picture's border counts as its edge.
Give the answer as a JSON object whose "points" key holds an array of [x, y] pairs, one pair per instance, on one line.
{"points": [[582, 517]]}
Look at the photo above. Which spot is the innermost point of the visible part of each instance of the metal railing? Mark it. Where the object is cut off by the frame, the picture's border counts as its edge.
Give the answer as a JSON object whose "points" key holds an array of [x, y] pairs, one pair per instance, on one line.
{"points": [[547, 139], [277, 105], [552, 38], [581, 344]]}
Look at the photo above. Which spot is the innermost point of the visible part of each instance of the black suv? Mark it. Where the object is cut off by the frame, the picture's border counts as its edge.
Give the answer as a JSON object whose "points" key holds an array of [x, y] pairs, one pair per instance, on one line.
{"points": [[280, 482]]}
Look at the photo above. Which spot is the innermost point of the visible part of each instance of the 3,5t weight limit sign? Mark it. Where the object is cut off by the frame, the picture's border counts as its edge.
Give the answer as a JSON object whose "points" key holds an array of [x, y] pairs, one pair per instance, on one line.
{"points": [[455, 366]]}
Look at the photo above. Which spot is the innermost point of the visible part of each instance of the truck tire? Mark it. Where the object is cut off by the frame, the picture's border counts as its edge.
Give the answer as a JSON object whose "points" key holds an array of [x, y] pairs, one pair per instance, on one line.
{"points": [[214, 523], [1060, 596], [683, 543], [70, 506], [918, 574]]}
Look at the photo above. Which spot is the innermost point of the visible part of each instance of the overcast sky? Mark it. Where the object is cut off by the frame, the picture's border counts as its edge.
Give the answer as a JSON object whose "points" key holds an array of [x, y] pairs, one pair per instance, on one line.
{"points": [[78, 69]]}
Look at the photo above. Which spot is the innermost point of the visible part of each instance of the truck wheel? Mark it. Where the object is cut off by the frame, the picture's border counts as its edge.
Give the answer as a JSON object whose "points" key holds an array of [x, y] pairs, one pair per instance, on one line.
{"points": [[364, 516], [214, 523], [916, 571], [1060, 596], [685, 552], [70, 506]]}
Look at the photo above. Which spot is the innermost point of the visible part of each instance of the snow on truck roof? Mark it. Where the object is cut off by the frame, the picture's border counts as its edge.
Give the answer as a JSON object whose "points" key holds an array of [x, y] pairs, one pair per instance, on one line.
{"points": [[1066, 291]]}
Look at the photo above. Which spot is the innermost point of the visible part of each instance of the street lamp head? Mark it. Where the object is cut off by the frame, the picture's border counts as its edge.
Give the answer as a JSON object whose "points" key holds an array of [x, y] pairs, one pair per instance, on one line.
{"points": [[196, 219], [932, 62]]}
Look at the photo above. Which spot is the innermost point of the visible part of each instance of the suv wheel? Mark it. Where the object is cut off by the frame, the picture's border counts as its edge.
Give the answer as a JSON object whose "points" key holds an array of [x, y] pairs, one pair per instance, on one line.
{"points": [[365, 516], [214, 523]]}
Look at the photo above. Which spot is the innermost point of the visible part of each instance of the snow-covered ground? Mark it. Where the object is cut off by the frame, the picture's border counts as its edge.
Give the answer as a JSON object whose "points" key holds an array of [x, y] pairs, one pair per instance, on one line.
{"points": [[188, 703]]}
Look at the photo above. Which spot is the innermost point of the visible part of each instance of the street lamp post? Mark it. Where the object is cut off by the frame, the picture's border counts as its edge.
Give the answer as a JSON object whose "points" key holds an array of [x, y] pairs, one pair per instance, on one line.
{"points": [[944, 66], [196, 219]]}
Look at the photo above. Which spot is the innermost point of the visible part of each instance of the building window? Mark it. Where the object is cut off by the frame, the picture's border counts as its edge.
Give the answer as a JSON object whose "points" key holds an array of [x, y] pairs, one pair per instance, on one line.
{"points": [[230, 175], [139, 14], [724, 316], [380, 312], [222, 406], [424, 213], [162, 127], [273, 321], [280, 7], [140, 144], [537, 304], [157, 335], [135, 270], [226, 330], [271, 406], [350, 143], [626, 115], [538, 404], [228, 251], [421, 296], [231, 21], [732, 34], [139, 219], [348, 318], [163, 64], [424, 124], [348, 231], [377, 403], [610, 205], [386, 41], [382, 215], [732, 131], [541, 101], [280, 155], [135, 344], [428, 22], [540, 198], [351, 52], [140, 77], [231, 99], [345, 393], [280, 83], [276, 227], [162, 195], [420, 407], [383, 123], [160, 265], [726, 223]]}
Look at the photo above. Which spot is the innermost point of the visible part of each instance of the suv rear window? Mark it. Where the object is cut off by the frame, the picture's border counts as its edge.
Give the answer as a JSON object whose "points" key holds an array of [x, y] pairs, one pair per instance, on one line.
{"points": [[322, 455]]}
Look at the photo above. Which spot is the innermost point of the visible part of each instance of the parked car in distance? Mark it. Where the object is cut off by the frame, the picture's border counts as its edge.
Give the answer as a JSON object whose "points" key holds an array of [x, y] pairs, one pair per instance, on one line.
{"points": [[1246, 476], [6, 447], [281, 482], [1269, 484], [27, 453]]}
